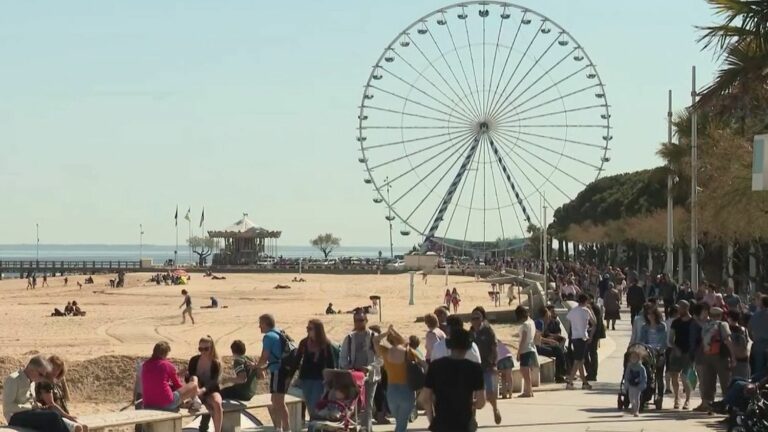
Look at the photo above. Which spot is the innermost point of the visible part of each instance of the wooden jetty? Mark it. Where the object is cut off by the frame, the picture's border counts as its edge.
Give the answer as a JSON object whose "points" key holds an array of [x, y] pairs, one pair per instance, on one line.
{"points": [[24, 267]]}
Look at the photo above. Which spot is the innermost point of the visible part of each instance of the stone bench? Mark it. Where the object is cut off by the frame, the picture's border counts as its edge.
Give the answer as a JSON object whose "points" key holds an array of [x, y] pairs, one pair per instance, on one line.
{"points": [[545, 373], [154, 421], [233, 408]]}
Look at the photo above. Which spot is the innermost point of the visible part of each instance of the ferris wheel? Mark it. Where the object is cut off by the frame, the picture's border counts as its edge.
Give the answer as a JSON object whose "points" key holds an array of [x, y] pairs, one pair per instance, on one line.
{"points": [[473, 116]]}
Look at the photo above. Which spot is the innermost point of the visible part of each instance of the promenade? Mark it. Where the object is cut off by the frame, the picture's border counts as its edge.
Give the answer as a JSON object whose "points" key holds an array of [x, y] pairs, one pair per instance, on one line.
{"points": [[555, 409]]}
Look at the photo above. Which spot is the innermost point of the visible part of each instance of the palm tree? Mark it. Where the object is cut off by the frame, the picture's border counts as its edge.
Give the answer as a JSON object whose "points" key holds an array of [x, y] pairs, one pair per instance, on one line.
{"points": [[742, 42]]}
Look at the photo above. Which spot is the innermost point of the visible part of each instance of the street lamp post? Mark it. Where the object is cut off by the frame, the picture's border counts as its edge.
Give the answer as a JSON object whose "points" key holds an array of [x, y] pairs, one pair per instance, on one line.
{"points": [[141, 242], [389, 219], [694, 185], [37, 247], [669, 265]]}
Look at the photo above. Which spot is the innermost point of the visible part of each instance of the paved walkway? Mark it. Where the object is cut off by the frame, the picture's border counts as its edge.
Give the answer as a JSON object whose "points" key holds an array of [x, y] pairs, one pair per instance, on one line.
{"points": [[555, 409]]}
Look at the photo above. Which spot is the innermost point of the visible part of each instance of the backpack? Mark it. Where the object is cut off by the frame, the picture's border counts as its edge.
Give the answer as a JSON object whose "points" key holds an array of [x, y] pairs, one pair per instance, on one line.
{"points": [[289, 353], [416, 375], [716, 345], [634, 377]]}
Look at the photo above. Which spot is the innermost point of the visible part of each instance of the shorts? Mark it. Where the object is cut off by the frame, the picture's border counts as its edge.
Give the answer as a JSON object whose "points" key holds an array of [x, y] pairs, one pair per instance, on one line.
{"points": [[173, 406], [529, 359], [278, 382], [579, 347], [678, 363], [491, 379], [505, 364], [188, 310]]}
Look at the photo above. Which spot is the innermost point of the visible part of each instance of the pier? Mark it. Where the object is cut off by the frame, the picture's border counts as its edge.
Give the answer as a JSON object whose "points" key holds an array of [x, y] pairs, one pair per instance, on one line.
{"points": [[24, 267]]}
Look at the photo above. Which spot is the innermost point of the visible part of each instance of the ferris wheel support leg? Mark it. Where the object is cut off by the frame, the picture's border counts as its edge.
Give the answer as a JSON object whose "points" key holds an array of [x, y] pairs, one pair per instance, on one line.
{"points": [[449, 194], [507, 175]]}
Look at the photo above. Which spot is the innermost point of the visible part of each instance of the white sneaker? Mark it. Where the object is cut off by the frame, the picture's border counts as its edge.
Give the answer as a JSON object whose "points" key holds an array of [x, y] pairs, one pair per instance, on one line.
{"points": [[197, 404]]}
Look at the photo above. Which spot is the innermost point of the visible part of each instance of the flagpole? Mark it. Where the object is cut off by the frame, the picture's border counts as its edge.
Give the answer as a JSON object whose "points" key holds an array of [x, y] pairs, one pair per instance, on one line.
{"points": [[189, 223], [176, 251]]}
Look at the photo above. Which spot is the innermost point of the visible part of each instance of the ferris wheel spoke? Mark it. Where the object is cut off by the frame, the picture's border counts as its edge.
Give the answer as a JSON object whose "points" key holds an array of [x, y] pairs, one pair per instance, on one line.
{"points": [[494, 101], [560, 139], [437, 183], [546, 162], [512, 120], [393, 143], [422, 163], [409, 100], [404, 127], [509, 179], [408, 155], [465, 100], [510, 148], [498, 202], [506, 61], [450, 87], [493, 64], [453, 105], [459, 144], [501, 102], [476, 102], [472, 59], [558, 98], [562, 154], [409, 114], [561, 126], [537, 189], [503, 108], [514, 208], [463, 181], [471, 201]]}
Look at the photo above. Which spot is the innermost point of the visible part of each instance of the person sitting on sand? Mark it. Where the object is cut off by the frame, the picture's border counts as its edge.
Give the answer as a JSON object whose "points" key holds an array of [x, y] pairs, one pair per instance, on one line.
{"points": [[160, 384], [329, 310], [53, 394], [206, 367], [214, 304], [76, 311], [68, 309]]}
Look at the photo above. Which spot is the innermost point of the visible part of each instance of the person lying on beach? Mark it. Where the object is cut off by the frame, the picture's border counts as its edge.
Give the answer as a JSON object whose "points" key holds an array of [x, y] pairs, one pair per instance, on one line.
{"points": [[295, 279], [57, 313], [214, 277], [279, 286]]}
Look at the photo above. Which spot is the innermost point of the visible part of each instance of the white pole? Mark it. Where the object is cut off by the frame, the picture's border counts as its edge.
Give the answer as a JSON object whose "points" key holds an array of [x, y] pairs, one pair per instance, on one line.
{"points": [[410, 301], [446, 274], [694, 185], [300, 266], [544, 245], [141, 241], [37, 249], [669, 266]]}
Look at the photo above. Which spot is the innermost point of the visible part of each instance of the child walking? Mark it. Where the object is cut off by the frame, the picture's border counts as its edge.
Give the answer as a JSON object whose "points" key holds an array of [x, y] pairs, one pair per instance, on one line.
{"points": [[636, 380]]}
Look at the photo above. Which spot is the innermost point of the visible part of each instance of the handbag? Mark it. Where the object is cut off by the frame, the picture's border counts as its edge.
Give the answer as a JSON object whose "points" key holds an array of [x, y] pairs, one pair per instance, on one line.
{"points": [[416, 375]]}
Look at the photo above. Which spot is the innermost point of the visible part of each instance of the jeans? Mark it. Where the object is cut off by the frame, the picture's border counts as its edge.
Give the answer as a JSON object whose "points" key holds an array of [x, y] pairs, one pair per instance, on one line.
{"points": [[366, 415], [313, 391], [556, 352], [39, 420], [591, 361], [634, 397], [735, 397], [401, 400]]}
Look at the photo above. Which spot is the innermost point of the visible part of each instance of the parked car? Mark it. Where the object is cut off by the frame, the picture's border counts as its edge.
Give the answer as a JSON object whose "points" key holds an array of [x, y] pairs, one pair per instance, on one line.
{"points": [[396, 265]]}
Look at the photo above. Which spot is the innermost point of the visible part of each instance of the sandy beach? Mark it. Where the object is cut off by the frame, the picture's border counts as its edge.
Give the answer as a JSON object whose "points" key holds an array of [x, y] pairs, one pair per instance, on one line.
{"points": [[123, 324]]}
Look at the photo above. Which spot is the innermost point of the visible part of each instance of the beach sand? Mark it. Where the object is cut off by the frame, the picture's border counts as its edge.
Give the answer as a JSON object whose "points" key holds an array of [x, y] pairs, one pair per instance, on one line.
{"points": [[123, 324]]}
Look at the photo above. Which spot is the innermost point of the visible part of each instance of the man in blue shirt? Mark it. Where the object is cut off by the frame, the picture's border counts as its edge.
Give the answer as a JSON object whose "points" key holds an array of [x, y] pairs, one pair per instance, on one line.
{"points": [[279, 380]]}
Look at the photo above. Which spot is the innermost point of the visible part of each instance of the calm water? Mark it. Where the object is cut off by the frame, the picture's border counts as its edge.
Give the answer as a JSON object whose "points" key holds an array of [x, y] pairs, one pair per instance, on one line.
{"points": [[159, 254]]}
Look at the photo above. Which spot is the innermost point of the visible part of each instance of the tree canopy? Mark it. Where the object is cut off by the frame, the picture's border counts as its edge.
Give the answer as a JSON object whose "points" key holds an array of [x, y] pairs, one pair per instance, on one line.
{"points": [[326, 243]]}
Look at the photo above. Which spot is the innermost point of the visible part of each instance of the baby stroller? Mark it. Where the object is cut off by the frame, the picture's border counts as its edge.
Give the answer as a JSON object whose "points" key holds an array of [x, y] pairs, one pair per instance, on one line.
{"points": [[340, 404], [648, 358]]}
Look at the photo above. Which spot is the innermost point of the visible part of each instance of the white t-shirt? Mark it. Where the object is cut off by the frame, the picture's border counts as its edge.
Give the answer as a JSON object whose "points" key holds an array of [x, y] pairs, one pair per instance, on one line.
{"points": [[526, 342], [579, 319], [440, 350]]}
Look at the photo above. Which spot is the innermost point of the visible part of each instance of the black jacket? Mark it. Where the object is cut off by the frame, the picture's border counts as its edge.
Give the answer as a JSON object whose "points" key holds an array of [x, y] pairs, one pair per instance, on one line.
{"points": [[635, 296]]}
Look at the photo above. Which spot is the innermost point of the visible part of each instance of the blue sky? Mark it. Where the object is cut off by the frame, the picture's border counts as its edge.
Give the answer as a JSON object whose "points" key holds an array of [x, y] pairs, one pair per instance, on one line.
{"points": [[113, 112]]}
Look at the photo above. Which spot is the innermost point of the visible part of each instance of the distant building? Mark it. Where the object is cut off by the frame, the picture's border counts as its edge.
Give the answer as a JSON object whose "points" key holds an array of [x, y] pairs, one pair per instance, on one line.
{"points": [[245, 243]]}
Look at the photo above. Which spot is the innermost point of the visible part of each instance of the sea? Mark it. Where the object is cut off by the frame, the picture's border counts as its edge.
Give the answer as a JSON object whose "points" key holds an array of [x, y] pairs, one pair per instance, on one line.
{"points": [[160, 253]]}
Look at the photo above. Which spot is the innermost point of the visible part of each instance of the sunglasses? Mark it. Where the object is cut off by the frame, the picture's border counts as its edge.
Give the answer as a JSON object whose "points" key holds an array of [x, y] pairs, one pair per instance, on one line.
{"points": [[203, 349]]}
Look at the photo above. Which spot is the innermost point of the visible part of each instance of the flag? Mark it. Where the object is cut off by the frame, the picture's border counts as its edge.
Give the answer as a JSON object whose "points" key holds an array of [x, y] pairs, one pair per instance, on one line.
{"points": [[187, 217], [176, 216], [202, 217]]}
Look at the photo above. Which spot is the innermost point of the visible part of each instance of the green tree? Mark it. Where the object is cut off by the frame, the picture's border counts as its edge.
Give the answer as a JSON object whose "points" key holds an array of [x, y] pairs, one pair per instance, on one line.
{"points": [[202, 247], [326, 243]]}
